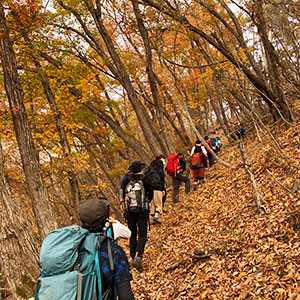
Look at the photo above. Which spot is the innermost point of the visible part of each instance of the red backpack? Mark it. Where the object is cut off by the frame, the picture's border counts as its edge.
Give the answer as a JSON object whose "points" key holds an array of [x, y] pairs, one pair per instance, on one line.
{"points": [[196, 162], [172, 164]]}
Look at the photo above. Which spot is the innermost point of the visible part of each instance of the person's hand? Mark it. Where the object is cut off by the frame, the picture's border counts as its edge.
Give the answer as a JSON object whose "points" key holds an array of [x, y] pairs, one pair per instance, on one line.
{"points": [[112, 220], [163, 193]]}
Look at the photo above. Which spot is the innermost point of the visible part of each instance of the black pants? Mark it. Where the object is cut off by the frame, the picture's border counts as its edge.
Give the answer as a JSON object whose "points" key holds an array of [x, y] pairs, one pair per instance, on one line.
{"points": [[176, 181], [137, 223]]}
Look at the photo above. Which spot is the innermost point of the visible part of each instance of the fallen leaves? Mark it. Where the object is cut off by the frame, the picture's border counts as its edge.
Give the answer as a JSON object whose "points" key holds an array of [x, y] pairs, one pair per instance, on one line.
{"points": [[249, 256]]}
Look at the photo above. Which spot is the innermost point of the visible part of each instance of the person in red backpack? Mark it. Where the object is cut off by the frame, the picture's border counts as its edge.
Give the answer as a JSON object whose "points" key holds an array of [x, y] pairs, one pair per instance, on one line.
{"points": [[198, 163], [175, 168]]}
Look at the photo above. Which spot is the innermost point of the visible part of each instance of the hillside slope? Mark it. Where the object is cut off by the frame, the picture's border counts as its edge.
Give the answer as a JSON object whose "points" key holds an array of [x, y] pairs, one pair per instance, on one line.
{"points": [[215, 245]]}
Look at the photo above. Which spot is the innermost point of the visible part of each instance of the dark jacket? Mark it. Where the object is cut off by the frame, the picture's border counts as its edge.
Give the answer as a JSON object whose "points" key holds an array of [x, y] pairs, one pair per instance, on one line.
{"points": [[182, 165], [159, 167], [120, 276], [146, 181]]}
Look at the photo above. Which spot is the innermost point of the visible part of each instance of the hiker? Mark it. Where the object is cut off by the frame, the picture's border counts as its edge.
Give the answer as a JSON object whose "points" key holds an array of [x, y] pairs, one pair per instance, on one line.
{"points": [[157, 168], [198, 163], [218, 145], [213, 143], [176, 166], [94, 214], [198, 143], [162, 158], [240, 132], [85, 262], [136, 193], [211, 159]]}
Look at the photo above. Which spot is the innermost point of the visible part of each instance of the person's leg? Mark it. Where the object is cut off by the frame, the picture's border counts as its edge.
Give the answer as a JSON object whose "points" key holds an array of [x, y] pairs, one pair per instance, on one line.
{"points": [[132, 220], [152, 207], [195, 180], [158, 206], [164, 197], [176, 184], [142, 225], [186, 181]]}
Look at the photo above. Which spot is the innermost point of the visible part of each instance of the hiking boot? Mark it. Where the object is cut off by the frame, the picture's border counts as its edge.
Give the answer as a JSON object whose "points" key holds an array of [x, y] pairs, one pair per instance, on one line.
{"points": [[137, 263]]}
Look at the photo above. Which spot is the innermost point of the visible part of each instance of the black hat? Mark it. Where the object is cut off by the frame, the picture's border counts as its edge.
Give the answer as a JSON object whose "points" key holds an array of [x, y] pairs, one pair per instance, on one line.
{"points": [[93, 212], [136, 166], [198, 143]]}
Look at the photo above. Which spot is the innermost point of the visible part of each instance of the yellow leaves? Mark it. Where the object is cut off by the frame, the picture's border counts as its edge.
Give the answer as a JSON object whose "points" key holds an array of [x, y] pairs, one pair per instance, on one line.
{"points": [[268, 195], [242, 274], [204, 294]]}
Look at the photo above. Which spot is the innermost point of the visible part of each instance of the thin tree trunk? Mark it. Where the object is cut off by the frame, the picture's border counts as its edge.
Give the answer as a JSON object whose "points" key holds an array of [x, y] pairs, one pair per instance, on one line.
{"points": [[73, 181], [168, 145], [18, 246], [247, 165], [45, 218]]}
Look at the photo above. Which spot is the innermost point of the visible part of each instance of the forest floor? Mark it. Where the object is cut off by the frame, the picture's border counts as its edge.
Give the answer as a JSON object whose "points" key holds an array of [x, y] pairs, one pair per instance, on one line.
{"points": [[215, 244]]}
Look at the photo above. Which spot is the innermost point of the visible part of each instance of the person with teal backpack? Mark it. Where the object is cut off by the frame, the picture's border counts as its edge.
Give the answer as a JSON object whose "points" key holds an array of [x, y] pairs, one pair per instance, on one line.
{"points": [[84, 263]]}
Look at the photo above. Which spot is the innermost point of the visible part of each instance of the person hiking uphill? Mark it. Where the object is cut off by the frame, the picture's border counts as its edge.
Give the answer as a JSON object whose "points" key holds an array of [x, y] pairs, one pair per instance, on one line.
{"points": [[85, 262], [211, 159], [94, 214], [176, 166], [198, 143], [162, 158], [198, 163], [136, 193], [157, 168]]}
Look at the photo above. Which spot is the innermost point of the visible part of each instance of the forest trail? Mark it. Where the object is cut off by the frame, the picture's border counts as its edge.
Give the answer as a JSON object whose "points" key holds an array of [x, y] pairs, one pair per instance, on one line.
{"points": [[214, 244]]}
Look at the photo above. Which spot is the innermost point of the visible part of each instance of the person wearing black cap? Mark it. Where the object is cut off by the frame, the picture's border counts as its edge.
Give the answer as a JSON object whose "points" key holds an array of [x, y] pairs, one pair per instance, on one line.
{"points": [[94, 213], [135, 183]]}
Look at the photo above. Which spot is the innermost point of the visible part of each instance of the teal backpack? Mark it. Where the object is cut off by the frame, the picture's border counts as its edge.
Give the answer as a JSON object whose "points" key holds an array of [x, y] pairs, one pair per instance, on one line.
{"points": [[70, 265]]}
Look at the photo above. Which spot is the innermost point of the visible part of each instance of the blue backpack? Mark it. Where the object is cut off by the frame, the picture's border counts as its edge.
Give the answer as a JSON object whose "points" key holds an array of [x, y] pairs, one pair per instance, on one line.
{"points": [[70, 265]]}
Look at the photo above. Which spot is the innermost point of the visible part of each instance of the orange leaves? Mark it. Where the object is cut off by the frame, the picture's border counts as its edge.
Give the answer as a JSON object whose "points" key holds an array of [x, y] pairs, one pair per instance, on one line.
{"points": [[251, 256]]}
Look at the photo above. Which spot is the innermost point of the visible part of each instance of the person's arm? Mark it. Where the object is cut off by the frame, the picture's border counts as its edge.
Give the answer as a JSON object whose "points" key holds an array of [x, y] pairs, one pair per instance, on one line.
{"points": [[124, 290], [120, 230], [122, 187], [193, 150], [148, 188], [182, 164]]}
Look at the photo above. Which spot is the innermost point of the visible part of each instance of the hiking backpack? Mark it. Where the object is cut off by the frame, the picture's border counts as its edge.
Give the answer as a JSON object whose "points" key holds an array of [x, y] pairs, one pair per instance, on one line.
{"points": [[172, 164], [213, 143], [196, 162], [70, 265], [136, 195], [154, 177]]}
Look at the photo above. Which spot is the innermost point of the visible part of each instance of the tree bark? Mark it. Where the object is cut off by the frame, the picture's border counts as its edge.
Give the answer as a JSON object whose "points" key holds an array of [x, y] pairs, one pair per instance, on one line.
{"points": [[66, 149], [19, 247], [259, 82], [151, 134], [167, 143], [45, 218]]}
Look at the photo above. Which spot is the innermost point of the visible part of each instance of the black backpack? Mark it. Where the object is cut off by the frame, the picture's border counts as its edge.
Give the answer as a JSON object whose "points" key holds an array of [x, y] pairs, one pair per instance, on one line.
{"points": [[154, 177]]}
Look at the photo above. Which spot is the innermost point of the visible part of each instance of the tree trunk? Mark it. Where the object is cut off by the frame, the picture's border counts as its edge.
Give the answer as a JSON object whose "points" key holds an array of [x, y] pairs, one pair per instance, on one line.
{"points": [[19, 247], [247, 165], [129, 139], [282, 109], [45, 218], [73, 181], [168, 145]]}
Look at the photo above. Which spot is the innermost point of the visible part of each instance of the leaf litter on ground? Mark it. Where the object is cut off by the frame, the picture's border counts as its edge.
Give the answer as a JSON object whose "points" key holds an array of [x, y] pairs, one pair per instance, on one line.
{"points": [[241, 254]]}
